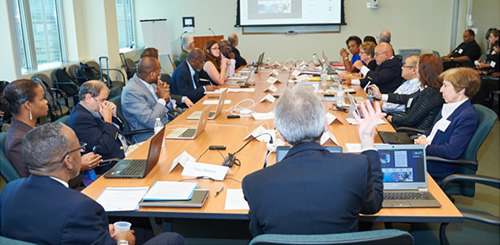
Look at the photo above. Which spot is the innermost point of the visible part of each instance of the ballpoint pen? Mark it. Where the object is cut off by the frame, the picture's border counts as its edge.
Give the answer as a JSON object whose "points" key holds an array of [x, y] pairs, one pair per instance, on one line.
{"points": [[219, 191]]}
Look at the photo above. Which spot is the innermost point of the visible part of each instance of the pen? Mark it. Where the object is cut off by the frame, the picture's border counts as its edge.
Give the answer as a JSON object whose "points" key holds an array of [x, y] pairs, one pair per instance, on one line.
{"points": [[219, 191]]}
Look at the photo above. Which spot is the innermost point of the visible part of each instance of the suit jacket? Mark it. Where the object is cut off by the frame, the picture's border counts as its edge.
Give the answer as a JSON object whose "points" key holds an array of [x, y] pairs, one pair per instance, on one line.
{"points": [[422, 111], [141, 108], [13, 146], [237, 56], [182, 83], [95, 132], [313, 191], [43, 211], [387, 76], [452, 142]]}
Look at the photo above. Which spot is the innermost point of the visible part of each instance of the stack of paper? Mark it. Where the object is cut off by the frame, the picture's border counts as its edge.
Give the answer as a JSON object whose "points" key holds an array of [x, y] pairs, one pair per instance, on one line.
{"points": [[170, 191]]}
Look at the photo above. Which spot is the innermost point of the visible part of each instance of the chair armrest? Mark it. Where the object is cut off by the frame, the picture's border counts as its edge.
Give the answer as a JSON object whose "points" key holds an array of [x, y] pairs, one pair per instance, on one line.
{"points": [[410, 130], [60, 92], [481, 179], [472, 164]]}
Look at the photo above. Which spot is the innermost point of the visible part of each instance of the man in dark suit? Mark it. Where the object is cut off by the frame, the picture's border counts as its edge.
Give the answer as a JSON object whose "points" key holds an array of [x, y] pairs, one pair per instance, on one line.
{"points": [[465, 54], [43, 210], [313, 191], [387, 75], [185, 77], [240, 61]]}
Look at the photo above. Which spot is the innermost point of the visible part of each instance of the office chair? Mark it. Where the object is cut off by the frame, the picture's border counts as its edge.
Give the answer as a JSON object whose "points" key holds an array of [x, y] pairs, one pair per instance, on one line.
{"points": [[389, 236], [7, 170], [476, 215], [10, 241], [467, 162], [405, 53], [64, 120], [127, 132], [56, 109]]}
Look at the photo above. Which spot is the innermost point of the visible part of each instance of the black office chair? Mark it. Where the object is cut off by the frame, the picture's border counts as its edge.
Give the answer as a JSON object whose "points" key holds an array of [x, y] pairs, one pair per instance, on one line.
{"points": [[475, 215], [7, 170], [53, 96], [127, 132], [384, 237]]}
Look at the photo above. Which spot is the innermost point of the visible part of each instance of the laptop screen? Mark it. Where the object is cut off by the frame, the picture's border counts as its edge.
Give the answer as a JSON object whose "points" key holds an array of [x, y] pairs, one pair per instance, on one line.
{"points": [[155, 149], [403, 166]]}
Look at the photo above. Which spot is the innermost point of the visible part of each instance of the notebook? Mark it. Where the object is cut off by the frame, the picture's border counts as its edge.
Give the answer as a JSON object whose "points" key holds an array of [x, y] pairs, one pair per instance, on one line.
{"points": [[281, 151], [213, 114], [394, 137], [138, 168], [404, 170], [197, 201], [191, 133]]}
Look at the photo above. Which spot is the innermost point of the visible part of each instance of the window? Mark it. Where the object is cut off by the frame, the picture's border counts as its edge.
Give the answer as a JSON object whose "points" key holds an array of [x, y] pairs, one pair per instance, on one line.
{"points": [[39, 34], [125, 20]]}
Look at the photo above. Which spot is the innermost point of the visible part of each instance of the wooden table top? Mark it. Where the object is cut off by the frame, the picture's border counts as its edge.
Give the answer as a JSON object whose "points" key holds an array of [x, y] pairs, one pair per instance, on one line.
{"points": [[230, 132]]}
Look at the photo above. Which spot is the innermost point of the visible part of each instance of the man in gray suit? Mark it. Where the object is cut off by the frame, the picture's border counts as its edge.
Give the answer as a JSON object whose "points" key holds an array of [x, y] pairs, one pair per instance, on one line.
{"points": [[145, 98]]}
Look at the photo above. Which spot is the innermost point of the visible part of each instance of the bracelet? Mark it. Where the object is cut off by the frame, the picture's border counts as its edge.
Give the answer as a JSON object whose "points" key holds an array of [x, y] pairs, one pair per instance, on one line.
{"points": [[346, 58], [122, 242]]}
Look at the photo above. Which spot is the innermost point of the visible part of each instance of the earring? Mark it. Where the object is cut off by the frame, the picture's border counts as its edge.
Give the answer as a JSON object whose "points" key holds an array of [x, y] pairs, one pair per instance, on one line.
{"points": [[31, 115]]}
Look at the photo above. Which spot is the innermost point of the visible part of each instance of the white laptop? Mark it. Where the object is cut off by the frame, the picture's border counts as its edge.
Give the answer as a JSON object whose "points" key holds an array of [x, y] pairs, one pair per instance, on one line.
{"points": [[191, 133], [213, 114], [404, 170]]}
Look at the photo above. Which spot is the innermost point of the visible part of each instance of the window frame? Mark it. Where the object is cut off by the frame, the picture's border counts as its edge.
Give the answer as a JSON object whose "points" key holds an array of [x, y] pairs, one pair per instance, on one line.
{"points": [[127, 21]]}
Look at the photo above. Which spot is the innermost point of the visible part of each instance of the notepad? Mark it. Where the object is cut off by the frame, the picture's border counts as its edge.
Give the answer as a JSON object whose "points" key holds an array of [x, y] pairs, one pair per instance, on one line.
{"points": [[170, 191]]}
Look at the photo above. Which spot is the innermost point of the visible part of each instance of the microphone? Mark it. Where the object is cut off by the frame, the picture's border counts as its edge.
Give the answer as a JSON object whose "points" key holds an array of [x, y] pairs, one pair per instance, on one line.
{"points": [[210, 29], [180, 37], [231, 158]]}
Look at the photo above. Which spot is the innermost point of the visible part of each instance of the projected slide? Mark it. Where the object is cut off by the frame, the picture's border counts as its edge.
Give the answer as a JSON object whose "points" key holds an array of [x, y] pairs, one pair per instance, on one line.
{"points": [[289, 12]]}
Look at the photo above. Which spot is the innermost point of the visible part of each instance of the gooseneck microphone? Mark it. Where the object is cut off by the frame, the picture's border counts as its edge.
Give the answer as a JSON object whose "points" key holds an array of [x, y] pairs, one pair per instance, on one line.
{"points": [[180, 37], [210, 29]]}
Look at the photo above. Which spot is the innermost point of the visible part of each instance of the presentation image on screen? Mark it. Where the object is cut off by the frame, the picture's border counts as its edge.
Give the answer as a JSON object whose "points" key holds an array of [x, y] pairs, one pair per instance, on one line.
{"points": [[289, 12], [402, 165]]}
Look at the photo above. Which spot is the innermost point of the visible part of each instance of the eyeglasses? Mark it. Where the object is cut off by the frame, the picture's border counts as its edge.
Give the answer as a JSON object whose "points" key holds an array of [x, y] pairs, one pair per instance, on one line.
{"points": [[81, 148]]}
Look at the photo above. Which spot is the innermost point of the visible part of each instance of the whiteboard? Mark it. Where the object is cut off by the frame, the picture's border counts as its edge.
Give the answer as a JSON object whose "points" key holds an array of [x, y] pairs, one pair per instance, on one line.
{"points": [[155, 35]]}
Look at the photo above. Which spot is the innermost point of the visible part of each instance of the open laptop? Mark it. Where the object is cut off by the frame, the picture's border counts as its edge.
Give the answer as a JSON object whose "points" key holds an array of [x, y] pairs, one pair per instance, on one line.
{"points": [[191, 133], [404, 170], [213, 114], [281, 151], [259, 61], [394, 137], [138, 168]]}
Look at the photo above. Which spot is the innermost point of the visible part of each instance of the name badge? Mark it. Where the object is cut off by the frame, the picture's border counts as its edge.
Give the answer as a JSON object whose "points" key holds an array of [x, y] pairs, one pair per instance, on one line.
{"points": [[443, 125], [492, 64], [460, 51], [409, 103]]}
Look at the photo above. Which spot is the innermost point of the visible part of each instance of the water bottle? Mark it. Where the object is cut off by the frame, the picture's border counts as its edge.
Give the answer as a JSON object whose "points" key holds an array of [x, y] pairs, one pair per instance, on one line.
{"points": [[340, 96], [158, 125]]}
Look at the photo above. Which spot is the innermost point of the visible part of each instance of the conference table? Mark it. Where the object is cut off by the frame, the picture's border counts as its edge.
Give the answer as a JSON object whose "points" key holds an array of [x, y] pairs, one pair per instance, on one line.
{"points": [[231, 132]]}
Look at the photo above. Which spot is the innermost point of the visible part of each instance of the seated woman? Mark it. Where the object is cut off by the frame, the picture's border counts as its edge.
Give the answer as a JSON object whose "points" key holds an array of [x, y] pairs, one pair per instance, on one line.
{"points": [[352, 43], [215, 69], [458, 122], [25, 100], [423, 106], [367, 54], [489, 64]]}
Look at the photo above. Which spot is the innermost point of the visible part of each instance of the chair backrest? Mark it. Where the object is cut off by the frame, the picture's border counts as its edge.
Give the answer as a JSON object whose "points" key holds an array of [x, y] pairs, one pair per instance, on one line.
{"points": [[64, 119], [389, 236], [7, 170], [10, 241], [63, 81], [117, 100], [405, 53], [72, 70], [44, 78]]}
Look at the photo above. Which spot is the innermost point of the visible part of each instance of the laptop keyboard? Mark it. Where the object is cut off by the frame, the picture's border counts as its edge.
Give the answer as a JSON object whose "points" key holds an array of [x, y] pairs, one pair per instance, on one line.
{"points": [[188, 133], [407, 196], [390, 137], [135, 167]]}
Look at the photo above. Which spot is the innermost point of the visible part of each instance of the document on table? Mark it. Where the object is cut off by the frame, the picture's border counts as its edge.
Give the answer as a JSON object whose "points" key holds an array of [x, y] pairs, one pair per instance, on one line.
{"points": [[235, 200], [215, 102], [121, 199], [170, 191]]}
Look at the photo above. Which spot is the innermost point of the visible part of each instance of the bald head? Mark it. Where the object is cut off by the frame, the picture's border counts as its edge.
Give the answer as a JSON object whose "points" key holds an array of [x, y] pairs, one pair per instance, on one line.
{"points": [[409, 68], [196, 57], [384, 36], [383, 52], [146, 67]]}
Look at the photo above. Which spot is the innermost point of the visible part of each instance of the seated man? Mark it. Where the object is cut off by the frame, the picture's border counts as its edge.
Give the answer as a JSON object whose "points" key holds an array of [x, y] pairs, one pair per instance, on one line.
{"points": [[145, 98], [187, 45], [387, 75], [185, 78], [240, 61], [43, 210], [465, 54], [410, 86], [226, 52], [384, 36], [314, 191], [95, 122]]}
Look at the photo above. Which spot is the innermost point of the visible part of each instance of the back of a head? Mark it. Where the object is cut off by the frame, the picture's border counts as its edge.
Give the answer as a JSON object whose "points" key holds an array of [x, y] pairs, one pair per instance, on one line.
{"points": [[150, 52], [300, 115], [370, 39], [232, 38], [385, 36], [44, 146], [463, 78], [92, 87], [429, 68], [147, 65], [17, 93], [186, 41], [195, 54]]}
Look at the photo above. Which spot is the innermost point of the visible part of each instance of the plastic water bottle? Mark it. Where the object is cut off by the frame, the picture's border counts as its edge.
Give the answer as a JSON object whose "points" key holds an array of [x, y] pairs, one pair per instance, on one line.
{"points": [[340, 96], [324, 77], [158, 125]]}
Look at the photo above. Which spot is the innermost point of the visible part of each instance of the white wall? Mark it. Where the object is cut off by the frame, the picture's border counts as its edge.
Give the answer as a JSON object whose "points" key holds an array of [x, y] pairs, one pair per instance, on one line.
{"points": [[424, 24], [485, 15]]}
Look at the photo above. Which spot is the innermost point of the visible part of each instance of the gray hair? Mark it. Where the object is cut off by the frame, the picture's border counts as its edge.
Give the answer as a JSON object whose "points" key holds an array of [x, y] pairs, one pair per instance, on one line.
{"points": [[300, 115], [385, 36], [92, 87], [43, 147], [186, 41], [232, 38]]}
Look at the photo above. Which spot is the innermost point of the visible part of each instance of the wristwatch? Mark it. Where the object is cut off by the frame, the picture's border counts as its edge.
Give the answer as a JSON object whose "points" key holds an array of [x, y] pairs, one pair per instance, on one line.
{"points": [[451, 58], [122, 242], [346, 58]]}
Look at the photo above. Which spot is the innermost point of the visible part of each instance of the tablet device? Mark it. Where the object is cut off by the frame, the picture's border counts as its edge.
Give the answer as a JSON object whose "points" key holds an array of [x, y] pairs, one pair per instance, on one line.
{"points": [[197, 201]]}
